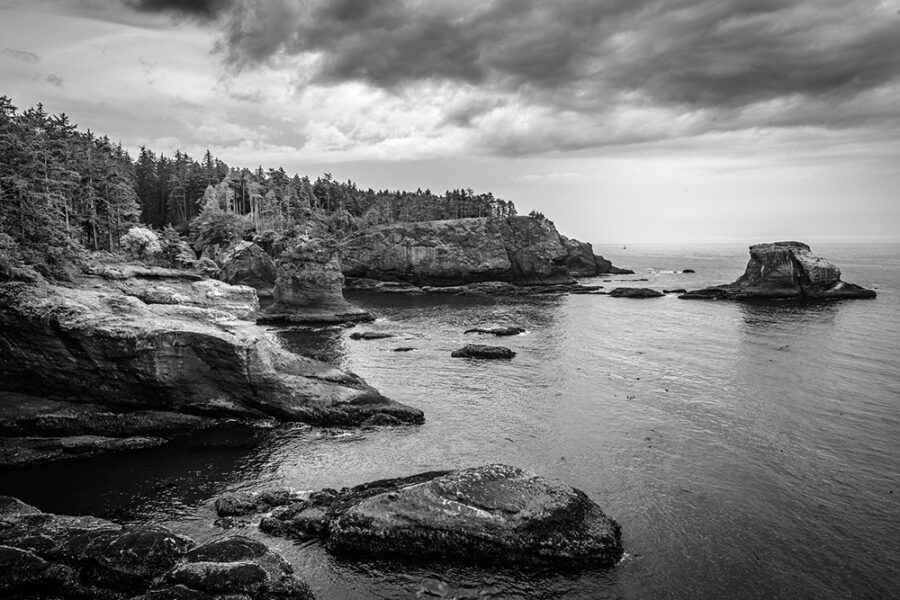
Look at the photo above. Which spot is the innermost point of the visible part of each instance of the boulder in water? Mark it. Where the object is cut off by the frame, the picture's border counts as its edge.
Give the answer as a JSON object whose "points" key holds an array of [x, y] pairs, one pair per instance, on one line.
{"points": [[498, 331], [493, 513], [625, 292], [481, 351]]}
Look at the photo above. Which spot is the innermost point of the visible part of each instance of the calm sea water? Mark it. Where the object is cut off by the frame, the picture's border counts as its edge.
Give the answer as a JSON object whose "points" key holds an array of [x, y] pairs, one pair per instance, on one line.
{"points": [[747, 450]]}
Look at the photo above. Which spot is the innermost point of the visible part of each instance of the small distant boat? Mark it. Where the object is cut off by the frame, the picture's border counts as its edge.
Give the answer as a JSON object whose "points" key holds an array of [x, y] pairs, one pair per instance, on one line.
{"points": [[624, 247]]}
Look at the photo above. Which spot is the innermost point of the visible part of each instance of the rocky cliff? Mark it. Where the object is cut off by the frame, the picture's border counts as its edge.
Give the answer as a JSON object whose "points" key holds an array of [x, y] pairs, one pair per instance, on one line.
{"points": [[248, 264], [95, 344], [309, 287], [785, 270], [582, 262], [519, 250]]}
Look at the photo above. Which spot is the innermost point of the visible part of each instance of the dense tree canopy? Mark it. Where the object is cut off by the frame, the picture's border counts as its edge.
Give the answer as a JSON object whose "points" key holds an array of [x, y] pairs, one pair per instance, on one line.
{"points": [[63, 190]]}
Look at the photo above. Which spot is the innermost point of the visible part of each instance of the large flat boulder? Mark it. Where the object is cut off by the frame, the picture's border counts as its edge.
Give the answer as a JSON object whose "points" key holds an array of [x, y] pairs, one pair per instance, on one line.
{"points": [[785, 270], [104, 347], [494, 513]]}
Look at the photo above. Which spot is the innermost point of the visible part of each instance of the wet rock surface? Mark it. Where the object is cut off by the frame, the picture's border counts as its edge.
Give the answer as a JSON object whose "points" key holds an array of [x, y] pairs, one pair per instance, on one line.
{"points": [[784, 270], [625, 292], [498, 331], [494, 513], [482, 351], [55, 556], [370, 335]]}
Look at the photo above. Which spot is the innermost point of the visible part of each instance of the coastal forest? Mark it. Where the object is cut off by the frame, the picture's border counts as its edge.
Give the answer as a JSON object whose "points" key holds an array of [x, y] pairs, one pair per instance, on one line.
{"points": [[65, 191]]}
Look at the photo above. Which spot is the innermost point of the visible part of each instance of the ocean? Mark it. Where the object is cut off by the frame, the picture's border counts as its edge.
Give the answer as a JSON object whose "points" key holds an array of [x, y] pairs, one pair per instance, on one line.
{"points": [[748, 450]]}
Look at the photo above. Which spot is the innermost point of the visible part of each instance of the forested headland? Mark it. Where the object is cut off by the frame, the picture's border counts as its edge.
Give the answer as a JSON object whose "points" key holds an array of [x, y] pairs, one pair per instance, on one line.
{"points": [[65, 192]]}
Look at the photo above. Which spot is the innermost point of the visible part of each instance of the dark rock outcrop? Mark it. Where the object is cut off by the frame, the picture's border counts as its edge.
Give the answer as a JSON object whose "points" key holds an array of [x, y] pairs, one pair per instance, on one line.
{"points": [[499, 331], [54, 556], [676, 291], [494, 513], [309, 287], [248, 264], [784, 270], [634, 293], [536, 253], [370, 335], [103, 347], [480, 351], [236, 504], [582, 262]]}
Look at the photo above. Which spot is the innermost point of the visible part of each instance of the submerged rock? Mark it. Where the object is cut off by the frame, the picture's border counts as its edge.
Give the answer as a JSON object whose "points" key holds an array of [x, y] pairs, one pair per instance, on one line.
{"points": [[106, 348], [634, 293], [54, 556], [248, 264], [309, 287], [494, 513], [785, 270], [237, 504], [499, 331], [480, 351]]}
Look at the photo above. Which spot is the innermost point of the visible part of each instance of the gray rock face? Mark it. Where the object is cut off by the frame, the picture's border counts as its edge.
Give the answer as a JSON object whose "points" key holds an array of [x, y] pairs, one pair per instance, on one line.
{"points": [[238, 300], [494, 513], [450, 252], [53, 556], [103, 347], [518, 250], [248, 264], [309, 287], [785, 270]]}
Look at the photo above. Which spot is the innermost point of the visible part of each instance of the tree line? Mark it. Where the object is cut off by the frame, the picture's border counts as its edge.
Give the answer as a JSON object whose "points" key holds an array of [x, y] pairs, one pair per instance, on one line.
{"points": [[63, 190]]}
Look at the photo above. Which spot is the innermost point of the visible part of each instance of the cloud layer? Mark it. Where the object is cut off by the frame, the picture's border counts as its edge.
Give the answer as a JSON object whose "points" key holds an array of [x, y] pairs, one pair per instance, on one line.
{"points": [[535, 76]]}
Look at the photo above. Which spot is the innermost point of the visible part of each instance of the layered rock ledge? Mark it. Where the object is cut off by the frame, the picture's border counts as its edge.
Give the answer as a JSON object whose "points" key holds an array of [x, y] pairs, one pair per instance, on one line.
{"points": [[518, 250], [150, 368], [55, 556], [784, 270], [493, 513]]}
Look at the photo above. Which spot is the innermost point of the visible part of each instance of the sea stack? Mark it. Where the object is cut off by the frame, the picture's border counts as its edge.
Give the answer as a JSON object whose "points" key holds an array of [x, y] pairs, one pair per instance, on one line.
{"points": [[784, 270], [309, 286]]}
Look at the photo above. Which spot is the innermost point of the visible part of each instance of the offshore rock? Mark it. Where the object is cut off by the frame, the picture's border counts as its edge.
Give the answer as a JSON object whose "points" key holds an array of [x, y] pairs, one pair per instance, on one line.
{"points": [[625, 292], [309, 287], [493, 513], [370, 335], [248, 264], [103, 347], [480, 351], [55, 556], [785, 270]]}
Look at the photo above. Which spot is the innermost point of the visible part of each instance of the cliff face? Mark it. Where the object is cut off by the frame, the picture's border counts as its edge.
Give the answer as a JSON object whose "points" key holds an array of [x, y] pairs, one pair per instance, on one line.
{"points": [[248, 264], [582, 262], [519, 250], [785, 270], [102, 346], [428, 253]]}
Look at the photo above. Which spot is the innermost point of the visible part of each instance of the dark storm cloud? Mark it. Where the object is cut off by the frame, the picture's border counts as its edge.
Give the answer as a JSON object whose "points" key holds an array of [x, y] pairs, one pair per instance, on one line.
{"points": [[685, 52], [202, 9]]}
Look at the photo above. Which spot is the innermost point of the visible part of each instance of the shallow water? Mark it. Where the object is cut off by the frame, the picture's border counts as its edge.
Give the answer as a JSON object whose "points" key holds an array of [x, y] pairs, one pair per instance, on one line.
{"points": [[747, 450]]}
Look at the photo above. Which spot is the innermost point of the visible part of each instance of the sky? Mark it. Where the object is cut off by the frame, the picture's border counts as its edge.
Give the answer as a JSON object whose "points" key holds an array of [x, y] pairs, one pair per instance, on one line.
{"points": [[624, 121]]}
